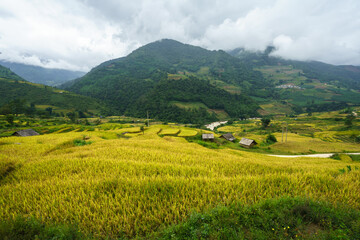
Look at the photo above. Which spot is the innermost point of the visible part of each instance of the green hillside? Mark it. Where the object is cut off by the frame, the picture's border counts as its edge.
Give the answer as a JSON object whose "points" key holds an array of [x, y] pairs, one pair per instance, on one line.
{"points": [[345, 76], [13, 87], [304, 86], [8, 74], [125, 82], [195, 94]]}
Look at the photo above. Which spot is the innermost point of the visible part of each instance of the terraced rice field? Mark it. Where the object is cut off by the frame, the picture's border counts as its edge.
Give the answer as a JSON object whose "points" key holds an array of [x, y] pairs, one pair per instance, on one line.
{"points": [[115, 186]]}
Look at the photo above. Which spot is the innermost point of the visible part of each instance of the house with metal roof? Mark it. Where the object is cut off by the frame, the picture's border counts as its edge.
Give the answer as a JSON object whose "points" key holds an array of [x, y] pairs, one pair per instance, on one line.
{"points": [[247, 143], [208, 136], [228, 136], [25, 133]]}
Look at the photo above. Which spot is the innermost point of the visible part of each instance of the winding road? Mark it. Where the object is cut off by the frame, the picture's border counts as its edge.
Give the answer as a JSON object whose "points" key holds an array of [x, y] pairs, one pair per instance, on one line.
{"points": [[319, 155]]}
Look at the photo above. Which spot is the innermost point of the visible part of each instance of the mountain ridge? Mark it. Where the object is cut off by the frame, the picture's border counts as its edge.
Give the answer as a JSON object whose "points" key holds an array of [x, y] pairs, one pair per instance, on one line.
{"points": [[37, 74]]}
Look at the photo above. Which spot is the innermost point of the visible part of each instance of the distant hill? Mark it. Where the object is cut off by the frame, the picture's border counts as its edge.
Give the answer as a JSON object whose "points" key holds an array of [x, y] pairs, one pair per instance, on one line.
{"points": [[13, 87], [151, 72], [301, 85], [46, 76], [343, 76]]}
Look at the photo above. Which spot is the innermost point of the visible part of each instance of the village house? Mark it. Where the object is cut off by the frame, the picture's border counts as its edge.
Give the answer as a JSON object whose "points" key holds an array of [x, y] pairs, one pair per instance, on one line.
{"points": [[247, 143], [208, 136], [25, 133], [289, 86], [228, 136]]}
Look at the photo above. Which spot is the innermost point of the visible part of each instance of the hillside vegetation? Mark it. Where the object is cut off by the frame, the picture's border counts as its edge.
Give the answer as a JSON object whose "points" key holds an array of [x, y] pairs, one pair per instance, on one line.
{"points": [[191, 90], [303, 86], [342, 76], [8, 74], [14, 88]]}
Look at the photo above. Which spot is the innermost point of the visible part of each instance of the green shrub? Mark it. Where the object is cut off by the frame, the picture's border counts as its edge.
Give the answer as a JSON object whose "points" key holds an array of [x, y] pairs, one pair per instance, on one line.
{"points": [[80, 142], [336, 156], [31, 228], [355, 157], [271, 139], [285, 218]]}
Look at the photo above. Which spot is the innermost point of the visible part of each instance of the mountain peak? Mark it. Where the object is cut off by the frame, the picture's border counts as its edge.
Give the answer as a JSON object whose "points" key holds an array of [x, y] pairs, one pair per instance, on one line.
{"points": [[168, 40], [163, 46]]}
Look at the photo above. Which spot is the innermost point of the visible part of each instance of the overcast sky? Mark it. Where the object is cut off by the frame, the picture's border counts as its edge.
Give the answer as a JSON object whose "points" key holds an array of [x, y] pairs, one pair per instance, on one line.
{"points": [[80, 34]]}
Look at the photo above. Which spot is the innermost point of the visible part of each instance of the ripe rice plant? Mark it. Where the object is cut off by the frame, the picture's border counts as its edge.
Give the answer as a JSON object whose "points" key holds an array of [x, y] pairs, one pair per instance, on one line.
{"points": [[326, 136], [134, 186], [170, 131], [185, 132]]}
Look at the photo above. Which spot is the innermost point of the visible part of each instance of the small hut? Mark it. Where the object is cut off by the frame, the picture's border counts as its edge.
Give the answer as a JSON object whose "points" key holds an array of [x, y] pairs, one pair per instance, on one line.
{"points": [[208, 136], [228, 136], [247, 143], [25, 133]]}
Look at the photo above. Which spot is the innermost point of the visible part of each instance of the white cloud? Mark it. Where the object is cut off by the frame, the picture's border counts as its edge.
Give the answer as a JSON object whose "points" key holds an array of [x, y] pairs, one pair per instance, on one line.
{"points": [[65, 35], [81, 34], [325, 31]]}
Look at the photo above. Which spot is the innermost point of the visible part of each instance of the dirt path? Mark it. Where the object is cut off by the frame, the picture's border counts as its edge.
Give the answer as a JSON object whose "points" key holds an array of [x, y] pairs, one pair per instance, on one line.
{"points": [[319, 155]]}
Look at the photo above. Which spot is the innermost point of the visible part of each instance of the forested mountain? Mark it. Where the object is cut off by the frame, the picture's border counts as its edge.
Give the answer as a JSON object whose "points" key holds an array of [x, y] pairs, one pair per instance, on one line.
{"points": [[180, 82], [14, 89], [155, 70], [46, 76]]}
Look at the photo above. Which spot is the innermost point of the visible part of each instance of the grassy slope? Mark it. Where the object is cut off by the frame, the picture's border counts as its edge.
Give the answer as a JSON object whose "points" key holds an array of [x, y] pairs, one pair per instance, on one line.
{"points": [[221, 114], [313, 89], [45, 96], [141, 183]]}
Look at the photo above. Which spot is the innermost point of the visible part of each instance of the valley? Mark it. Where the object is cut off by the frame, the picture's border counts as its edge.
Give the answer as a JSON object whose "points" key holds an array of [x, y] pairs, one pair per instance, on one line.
{"points": [[124, 151]]}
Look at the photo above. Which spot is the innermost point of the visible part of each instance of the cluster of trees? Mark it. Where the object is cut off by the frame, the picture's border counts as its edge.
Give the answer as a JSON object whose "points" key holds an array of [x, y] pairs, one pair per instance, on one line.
{"points": [[349, 119], [21, 97], [159, 102], [20, 106], [171, 113], [324, 107], [17, 106]]}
